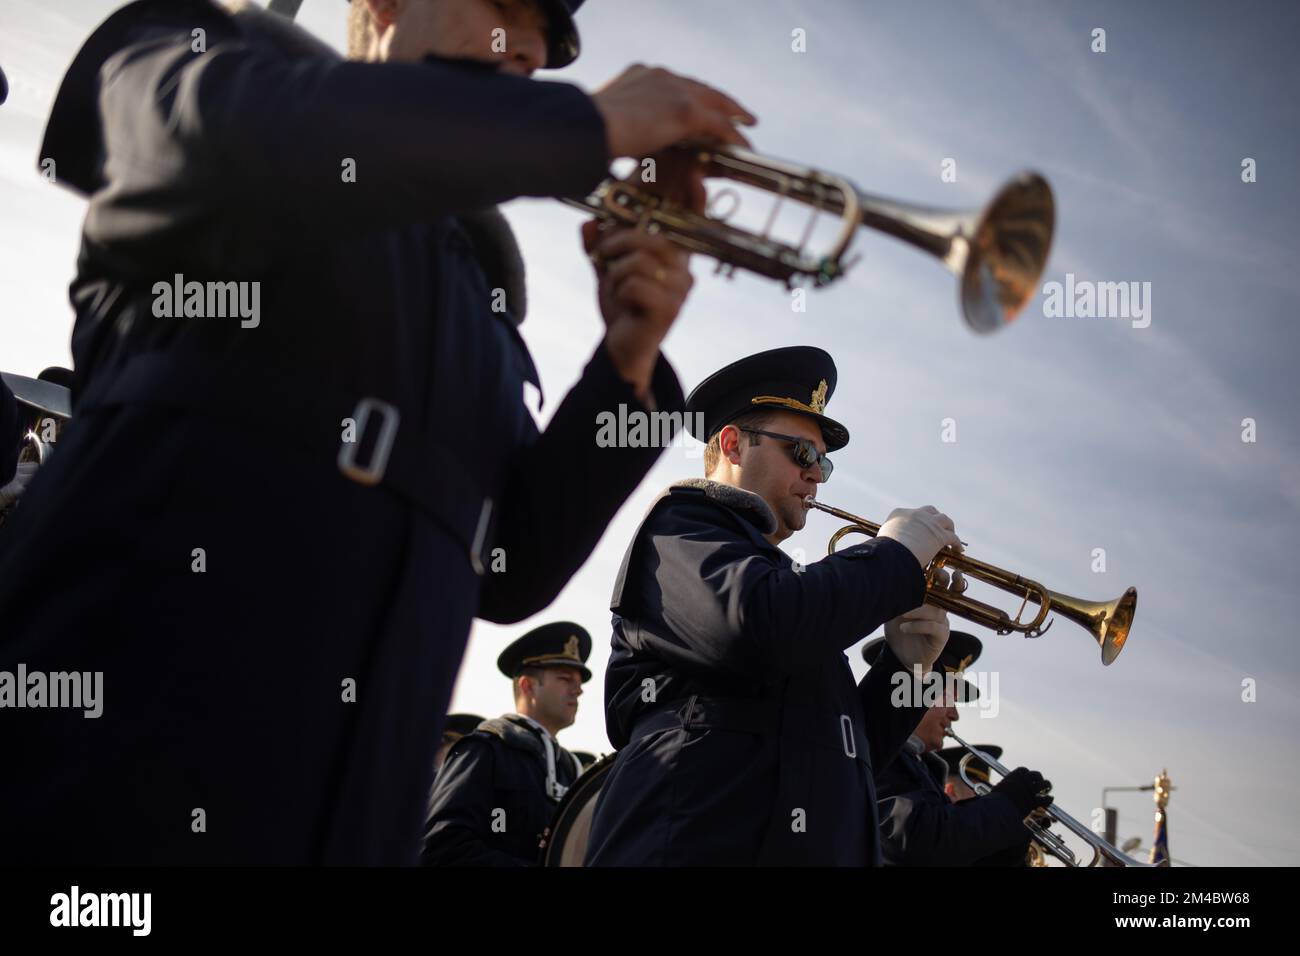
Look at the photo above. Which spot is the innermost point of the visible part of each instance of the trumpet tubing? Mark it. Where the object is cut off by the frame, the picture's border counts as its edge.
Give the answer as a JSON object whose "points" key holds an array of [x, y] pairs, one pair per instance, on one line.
{"points": [[1043, 843], [39, 440]]}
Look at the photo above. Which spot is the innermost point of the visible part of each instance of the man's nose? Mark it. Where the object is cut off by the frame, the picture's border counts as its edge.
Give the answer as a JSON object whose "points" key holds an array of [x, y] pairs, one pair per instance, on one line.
{"points": [[527, 54]]}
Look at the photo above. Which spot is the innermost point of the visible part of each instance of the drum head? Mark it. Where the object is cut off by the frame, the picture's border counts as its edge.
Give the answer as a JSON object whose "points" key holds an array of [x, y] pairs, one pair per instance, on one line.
{"points": [[566, 841]]}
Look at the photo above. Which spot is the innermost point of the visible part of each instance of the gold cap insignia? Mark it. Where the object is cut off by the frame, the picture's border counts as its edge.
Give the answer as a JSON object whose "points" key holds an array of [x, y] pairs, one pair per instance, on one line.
{"points": [[818, 400], [961, 665], [571, 647], [818, 403]]}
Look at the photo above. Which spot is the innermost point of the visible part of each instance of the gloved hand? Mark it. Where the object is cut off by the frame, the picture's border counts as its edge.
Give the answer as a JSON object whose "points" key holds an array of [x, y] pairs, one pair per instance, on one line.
{"points": [[1042, 817], [1025, 788], [923, 531], [918, 637], [13, 491]]}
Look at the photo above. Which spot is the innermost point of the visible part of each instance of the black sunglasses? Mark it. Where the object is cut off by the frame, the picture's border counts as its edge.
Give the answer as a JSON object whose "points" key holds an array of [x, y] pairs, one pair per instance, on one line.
{"points": [[804, 453]]}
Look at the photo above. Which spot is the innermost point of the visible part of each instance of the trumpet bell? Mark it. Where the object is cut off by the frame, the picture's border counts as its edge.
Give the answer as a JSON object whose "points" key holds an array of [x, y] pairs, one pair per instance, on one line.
{"points": [[1005, 253], [1107, 621]]}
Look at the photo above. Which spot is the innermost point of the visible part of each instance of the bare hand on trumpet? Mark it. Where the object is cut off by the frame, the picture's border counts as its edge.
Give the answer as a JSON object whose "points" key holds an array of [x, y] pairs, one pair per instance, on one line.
{"points": [[647, 109], [643, 279]]}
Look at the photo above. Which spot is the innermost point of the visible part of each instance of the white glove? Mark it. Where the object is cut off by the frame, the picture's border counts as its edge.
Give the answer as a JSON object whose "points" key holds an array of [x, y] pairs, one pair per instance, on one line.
{"points": [[13, 491], [918, 637], [923, 531]]}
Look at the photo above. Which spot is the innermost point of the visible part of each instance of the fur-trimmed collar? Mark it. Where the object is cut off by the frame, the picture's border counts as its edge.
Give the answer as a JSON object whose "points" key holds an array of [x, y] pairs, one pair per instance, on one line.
{"points": [[738, 499]]}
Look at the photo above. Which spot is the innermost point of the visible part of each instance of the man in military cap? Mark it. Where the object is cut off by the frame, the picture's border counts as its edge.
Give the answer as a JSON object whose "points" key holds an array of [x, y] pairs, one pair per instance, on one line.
{"points": [[457, 726], [501, 783], [295, 520], [920, 825], [742, 736]]}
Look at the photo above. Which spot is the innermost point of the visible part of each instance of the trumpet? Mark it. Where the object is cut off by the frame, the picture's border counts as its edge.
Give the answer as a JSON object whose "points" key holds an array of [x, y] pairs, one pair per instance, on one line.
{"points": [[1107, 621], [997, 252], [1045, 839]]}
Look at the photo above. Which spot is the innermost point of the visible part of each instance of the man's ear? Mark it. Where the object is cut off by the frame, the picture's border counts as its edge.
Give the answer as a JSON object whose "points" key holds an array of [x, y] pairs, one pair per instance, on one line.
{"points": [[729, 443], [531, 687], [383, 12]]}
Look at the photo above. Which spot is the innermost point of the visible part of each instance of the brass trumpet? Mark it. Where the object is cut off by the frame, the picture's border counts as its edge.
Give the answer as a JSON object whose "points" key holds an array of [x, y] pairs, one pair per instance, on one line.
{"points": [[1107, 621], [997, 252], [1046, 840]]}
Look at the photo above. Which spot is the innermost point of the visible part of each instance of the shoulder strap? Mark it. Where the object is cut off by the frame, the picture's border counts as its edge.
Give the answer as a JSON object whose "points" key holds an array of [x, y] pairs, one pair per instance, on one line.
{"points": [[512, 735]]}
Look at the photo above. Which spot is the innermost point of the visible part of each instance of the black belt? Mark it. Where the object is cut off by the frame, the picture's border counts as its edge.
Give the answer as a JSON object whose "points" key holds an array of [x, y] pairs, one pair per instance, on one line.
{"points": [[405, 461], [763, 717], [737, 714]]}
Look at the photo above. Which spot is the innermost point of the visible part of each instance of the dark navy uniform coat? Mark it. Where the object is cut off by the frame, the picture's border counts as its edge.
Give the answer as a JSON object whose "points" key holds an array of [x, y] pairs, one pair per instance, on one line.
{"points": [[489, 805], [920, 826], [742, 736], [229, 730]]}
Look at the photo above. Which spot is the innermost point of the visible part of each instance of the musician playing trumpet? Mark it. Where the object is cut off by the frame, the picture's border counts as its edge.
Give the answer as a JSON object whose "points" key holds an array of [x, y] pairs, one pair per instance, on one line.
{"points": [[336, 493], [743, 737], [920, 825]]}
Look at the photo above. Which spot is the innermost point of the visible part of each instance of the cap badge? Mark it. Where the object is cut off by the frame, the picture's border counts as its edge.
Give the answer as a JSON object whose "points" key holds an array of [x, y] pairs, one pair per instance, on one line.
{"points": [[818, 403]]}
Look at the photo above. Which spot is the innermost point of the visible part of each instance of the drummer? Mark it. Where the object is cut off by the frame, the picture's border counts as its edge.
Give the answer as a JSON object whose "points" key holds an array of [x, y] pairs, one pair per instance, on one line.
{"points": [[501, 783]]}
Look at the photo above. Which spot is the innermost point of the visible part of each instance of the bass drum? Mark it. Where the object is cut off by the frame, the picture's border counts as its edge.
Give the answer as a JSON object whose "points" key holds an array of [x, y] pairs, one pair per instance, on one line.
{"points": [[565, 840]]}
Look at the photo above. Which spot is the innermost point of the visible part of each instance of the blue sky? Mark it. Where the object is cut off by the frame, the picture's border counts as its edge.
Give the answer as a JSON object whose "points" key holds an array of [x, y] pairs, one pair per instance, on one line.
{"points": [[1072, 433]]}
